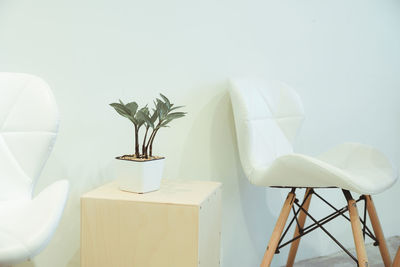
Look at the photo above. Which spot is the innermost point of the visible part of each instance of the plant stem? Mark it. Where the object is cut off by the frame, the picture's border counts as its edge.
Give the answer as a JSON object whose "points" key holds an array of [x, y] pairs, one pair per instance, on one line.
{"points": [[136, 141], [144, 150], [153, 133], [151, 136], [151, 143]]}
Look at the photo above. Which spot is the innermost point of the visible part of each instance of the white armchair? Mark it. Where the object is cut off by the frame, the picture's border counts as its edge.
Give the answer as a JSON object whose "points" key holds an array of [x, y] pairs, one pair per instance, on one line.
{"points": [[267, 117], [28, 128]]}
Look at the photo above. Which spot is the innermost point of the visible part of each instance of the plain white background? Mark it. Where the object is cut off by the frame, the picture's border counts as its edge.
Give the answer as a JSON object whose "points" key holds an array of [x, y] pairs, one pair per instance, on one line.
{"points": [[342, 56]]}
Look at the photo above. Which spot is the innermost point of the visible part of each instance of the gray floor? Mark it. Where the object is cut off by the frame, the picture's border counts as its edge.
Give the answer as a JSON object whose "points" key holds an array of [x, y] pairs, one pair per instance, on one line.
{"points": [[334, 260], [341, 259]]}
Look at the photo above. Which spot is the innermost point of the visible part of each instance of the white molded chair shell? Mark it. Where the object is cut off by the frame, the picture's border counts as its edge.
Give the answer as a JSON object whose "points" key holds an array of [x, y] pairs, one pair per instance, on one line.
{"points": [[28, 128], [267, 117]]}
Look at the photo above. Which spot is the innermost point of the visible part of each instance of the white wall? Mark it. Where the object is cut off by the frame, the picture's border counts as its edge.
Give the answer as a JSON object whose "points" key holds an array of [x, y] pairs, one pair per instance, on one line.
{"points": [[342, 56]]}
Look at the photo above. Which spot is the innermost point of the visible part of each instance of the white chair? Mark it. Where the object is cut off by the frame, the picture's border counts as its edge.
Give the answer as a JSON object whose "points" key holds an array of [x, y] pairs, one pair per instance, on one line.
{"points": [[28, 128], [267, 117]]}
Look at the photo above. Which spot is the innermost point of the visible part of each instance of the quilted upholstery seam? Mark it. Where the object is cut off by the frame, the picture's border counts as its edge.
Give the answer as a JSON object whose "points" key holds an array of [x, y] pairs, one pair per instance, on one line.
{"points": [[15, 159], [15, 102], [265, 100], [16, 239]]}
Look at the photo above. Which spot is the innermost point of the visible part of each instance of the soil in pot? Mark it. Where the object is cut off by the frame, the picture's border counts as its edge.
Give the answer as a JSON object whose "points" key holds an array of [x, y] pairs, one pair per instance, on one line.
{"points": [[139, 159]]}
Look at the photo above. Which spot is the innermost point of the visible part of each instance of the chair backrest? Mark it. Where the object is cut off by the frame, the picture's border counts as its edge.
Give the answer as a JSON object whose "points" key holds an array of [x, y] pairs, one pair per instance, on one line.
{"points": [[267, 116], [28, 127]]}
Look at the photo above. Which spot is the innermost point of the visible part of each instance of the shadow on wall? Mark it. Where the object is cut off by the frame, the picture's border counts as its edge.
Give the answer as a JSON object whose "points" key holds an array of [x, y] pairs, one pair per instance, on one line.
{"points": [[64, 246], [249, 212], [247, 218], [250, 206]]}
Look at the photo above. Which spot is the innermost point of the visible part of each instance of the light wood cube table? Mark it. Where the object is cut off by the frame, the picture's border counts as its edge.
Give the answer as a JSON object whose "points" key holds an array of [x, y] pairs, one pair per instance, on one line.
{"points": [[177, 226]]}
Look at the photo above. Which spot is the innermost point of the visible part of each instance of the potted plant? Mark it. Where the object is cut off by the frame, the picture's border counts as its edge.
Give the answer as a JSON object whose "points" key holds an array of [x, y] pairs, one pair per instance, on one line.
{"points": [[141, 171]]}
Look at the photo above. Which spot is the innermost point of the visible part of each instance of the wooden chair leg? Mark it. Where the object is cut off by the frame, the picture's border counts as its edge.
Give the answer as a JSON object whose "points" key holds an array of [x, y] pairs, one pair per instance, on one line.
{"points": [[357, 232], [373, 216], [302, 219], [276, 234], [396, 260]]}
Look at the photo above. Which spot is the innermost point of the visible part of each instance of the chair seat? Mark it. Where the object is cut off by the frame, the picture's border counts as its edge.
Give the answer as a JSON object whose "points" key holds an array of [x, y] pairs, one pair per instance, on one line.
{"points": [[26, 225], [355, 167]]}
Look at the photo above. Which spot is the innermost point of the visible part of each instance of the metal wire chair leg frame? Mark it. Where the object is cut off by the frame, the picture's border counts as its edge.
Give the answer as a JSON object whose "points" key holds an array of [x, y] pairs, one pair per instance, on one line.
{"points": [[319, 223]]}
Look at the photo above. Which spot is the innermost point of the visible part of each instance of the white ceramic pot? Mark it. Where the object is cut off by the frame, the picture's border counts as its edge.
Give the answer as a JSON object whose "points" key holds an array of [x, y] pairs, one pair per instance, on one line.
{"points": [[139, 176]]}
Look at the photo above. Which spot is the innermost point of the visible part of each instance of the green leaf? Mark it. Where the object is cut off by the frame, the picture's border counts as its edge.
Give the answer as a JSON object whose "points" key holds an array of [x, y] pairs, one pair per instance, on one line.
{"points": [[170, 117], [166, 100], [176, 108], [153, 118], [162, 110], [146, 110], [132, 106], [175, 115], [142, 116], [121, 109], [165, 123], [139, 120]]}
